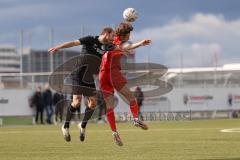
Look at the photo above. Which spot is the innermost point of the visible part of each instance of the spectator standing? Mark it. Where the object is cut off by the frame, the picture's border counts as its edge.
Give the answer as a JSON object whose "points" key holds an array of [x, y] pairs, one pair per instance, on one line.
{"points": [[47, 99], [139, 97], [37, 102], [57, 97]]}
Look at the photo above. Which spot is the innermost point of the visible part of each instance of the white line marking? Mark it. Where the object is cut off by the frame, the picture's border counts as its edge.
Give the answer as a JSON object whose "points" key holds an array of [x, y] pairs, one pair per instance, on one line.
{"points": [[232, 130]]}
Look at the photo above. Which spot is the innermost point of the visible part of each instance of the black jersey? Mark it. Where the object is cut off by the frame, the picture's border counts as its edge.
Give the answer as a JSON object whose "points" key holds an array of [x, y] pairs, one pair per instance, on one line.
{"points": [[87, 64], [91, 45]]}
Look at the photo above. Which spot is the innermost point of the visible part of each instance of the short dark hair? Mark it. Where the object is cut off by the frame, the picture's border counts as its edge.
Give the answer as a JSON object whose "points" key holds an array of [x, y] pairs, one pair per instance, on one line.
{"points": [[123, 29], [107, 30]]}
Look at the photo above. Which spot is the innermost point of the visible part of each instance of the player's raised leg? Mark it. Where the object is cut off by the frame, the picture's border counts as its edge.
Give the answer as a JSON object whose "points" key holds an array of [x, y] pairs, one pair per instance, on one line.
{"points": [[128, 95]]}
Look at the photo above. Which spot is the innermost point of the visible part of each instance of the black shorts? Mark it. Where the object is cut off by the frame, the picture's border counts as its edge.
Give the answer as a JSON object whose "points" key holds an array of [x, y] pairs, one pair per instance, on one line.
{"points": [[82, 76], [83, 83]]}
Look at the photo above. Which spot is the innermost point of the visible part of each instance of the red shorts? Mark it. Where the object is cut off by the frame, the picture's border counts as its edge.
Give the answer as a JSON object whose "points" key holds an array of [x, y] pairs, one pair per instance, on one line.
{"points": [[110, 81]]}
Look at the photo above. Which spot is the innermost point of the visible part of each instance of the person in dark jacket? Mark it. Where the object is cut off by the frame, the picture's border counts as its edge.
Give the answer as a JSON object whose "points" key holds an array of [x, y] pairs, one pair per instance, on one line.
{"points": [[37, 101], [57, 97], [47, 99], [140, 97]]}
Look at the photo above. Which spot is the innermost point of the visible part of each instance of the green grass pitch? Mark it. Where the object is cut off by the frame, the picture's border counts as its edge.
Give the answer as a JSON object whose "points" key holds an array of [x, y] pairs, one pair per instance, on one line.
{"points": [[196, 140]]}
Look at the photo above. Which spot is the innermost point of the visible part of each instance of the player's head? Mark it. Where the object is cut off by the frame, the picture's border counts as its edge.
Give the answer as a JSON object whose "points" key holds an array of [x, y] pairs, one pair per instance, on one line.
{"points": [[123, 31], [107, 35]]}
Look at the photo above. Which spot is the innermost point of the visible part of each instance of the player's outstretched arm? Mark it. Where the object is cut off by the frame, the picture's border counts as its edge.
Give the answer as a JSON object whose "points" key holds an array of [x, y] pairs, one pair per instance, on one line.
{"points": [[136, 45], [64, 45]]}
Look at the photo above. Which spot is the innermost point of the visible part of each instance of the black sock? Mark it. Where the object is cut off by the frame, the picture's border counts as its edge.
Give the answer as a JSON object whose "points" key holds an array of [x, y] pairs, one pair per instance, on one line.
{"points": [[87, 115], [70, 111]]}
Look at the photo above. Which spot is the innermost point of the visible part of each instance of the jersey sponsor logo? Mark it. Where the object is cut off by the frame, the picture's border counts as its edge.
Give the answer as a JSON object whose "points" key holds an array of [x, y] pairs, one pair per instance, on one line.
{"points": [[98, 50]]}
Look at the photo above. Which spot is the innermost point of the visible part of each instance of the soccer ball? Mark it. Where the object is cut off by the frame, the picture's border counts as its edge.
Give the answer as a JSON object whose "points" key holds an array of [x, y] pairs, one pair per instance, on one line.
{"points": [[130, 14]]}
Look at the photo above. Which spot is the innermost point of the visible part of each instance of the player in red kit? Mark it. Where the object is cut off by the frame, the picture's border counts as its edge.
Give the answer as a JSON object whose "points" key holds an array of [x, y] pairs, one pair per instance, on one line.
{"points": [[111, 77]]}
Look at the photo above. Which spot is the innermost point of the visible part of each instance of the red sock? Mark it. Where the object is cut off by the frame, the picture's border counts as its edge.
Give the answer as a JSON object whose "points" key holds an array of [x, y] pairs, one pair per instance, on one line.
{"points": [[111, 119], [134, 108]]}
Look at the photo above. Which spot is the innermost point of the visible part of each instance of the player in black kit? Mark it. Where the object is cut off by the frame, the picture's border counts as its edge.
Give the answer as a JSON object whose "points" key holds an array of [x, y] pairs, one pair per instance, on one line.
{"points": [[92, 47]]}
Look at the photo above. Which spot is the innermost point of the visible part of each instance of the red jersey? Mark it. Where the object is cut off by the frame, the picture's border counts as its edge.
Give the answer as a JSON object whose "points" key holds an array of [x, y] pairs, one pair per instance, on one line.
{"points": [[112, 59], [110, 75]]}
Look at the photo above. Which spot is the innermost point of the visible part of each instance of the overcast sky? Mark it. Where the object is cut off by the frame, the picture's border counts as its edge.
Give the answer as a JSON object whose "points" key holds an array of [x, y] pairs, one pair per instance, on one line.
{"points": [[196, 30]]}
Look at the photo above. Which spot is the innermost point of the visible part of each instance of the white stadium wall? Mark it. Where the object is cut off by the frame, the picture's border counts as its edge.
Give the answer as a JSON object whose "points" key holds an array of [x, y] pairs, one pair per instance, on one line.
{"points": [[15, 102], [195, 99]]}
